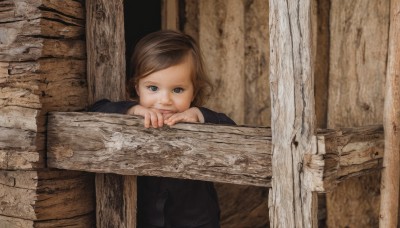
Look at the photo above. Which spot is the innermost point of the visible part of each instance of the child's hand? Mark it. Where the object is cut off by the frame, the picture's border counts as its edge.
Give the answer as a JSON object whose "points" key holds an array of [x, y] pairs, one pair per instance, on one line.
{"points": [[192, 115], [152, 117]]}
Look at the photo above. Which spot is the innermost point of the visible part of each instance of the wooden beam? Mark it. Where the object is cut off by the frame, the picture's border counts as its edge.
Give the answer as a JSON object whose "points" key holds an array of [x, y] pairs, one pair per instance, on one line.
{"points": [[170, 14], [115, 195], [105, 49], [291, 200], [345, 153], [119, 144], [389, 209], [224, 45]]}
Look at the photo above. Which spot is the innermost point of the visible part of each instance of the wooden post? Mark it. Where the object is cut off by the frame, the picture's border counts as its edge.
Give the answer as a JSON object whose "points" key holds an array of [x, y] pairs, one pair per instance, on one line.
{"points": [[388, 215], [291, 200], [115, 194], [170, 14]]}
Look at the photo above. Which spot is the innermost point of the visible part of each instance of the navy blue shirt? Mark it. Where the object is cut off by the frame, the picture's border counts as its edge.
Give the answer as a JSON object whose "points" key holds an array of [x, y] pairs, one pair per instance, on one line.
{"points": [[170, 202]]}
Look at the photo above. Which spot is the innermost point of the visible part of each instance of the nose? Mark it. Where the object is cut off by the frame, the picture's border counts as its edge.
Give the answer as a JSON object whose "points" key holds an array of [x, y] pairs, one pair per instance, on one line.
{"points": [[165, 98]]}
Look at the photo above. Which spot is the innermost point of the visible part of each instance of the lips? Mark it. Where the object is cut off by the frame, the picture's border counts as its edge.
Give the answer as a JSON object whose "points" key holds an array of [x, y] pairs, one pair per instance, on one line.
{"points": [[164, 111]]}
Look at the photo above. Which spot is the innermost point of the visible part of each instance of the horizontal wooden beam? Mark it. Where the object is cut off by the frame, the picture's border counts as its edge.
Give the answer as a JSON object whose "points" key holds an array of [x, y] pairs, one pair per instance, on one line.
{"points": [[113, 143], [343, 154]]}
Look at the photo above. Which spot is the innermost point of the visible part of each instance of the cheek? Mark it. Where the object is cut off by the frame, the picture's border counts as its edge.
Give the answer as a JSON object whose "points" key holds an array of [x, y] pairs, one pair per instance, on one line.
{"points": [[184, 103]]}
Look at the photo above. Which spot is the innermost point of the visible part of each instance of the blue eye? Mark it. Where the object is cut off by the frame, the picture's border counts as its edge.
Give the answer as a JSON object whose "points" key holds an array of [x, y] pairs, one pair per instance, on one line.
{"points": [[152, 88], [177, 90]]}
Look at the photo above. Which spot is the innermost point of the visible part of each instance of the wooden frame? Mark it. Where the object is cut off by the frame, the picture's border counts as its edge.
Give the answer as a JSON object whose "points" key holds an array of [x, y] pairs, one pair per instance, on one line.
{"points": [[303, 160]]}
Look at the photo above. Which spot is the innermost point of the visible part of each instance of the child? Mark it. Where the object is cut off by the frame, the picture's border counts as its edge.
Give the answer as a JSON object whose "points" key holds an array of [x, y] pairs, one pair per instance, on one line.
{"points": [[168, 86]]}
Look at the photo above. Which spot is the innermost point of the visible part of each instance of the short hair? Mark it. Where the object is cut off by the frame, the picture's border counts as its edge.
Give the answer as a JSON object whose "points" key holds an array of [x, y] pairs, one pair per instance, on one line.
{"points": [[165, 48]]}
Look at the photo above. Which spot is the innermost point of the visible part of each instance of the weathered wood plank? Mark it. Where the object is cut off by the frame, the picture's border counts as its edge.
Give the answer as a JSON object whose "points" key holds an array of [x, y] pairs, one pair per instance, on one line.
{"points": [[191, 151], [45, 194], [41, 28], [117, 195], [110, 143], [29, 90], [170, 14], [106, 79], [12, 10], [75, 222], [256, 64], [389, 207], [105, 50], [32, 48], [347, 153], [358, 63], [292, 202], [223, 44]]}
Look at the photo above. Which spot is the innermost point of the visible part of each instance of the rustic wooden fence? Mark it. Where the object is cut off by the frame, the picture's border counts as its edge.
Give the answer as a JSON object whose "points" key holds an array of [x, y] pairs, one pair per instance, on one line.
{"points": [[119, 144]]}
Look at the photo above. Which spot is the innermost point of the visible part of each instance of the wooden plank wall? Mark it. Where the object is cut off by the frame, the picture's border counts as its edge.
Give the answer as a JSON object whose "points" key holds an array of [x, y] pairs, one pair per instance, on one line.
{"points": [[350, 64], [358, 58], [42, 68], [233, 36]]}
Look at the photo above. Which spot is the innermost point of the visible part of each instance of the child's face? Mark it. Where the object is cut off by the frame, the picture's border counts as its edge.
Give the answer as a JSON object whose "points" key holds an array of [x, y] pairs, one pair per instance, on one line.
{"points": [[169, 90]]}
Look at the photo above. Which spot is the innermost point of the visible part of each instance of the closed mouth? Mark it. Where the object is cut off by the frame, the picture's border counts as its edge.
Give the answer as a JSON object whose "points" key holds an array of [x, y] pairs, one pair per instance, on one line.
{"points": [[164, 111]]}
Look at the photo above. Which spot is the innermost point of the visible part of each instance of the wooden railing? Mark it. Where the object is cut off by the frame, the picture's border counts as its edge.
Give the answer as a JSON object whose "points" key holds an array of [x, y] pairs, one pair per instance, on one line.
{"points": [[119, 144]]}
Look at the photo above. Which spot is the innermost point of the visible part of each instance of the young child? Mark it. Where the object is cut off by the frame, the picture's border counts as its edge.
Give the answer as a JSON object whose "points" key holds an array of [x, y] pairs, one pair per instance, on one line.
{"points": [[168, 86]]}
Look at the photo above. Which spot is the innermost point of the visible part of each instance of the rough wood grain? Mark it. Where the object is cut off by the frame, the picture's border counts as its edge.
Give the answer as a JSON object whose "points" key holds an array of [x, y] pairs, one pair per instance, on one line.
{"points": [[222, 44], [41, 28], [75, 222], [106, 79], [170, 14], [191, 19], [347, 153], [256, 110], [111, 143], [31, 9], [358, 58], [28, 91], [321, 61], [105, 50], [291, 200], [206, 152], [45, 194], [359, 39], [389, 208], [42, 68], [121, 209], [256, 64]]}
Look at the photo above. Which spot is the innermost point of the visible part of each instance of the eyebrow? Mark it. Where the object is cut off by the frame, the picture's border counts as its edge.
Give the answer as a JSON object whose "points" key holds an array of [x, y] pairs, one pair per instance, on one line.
{"points": [[150, 82], [156, 83]]}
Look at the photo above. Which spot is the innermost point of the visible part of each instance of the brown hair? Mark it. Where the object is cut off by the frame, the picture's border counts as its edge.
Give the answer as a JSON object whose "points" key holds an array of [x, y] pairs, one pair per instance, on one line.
{"points": [[162, 49]]}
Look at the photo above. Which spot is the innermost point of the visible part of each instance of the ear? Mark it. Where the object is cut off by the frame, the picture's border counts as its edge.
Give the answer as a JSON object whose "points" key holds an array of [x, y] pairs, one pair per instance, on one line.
{"points": [[137, 90], [194, 95]]}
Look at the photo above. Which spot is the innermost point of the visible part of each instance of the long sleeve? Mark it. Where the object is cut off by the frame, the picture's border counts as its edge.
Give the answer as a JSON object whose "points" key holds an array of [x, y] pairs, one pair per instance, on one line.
{"points": [[215, 117], [107, 106]]}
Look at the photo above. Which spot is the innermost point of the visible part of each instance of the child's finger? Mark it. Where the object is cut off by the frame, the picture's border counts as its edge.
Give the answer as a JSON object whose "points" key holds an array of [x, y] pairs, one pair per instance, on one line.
{"points": [[154, 120], [160, 119], [147, 120], [167, 116], [174, 119]]}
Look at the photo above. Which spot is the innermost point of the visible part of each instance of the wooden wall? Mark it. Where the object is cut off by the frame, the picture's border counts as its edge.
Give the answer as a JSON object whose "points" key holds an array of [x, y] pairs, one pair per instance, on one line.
{"points": [[42, 69], [233, 36], [350, 41], [358, 58]]}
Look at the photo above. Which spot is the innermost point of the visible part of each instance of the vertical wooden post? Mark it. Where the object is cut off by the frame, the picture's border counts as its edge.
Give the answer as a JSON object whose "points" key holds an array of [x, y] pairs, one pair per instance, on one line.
{"points": [[291, 200], [170, 14], [388, 215], [115, 194]]}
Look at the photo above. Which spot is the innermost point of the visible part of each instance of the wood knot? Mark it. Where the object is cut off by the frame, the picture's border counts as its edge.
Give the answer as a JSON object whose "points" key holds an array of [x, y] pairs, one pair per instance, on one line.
{"points": [[365, 106], [295, 142]]}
